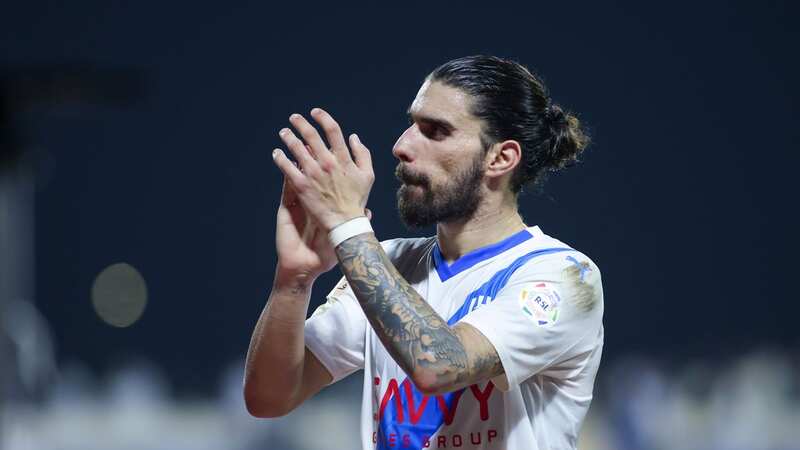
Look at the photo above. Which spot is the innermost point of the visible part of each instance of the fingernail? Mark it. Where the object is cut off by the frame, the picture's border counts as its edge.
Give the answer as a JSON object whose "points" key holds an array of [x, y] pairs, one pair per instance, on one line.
{"points": [[275, 153], [355, 136]]}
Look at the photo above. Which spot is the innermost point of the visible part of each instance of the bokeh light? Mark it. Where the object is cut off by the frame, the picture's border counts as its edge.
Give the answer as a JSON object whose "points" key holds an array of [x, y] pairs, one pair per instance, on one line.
{"points": [[119, 295]]}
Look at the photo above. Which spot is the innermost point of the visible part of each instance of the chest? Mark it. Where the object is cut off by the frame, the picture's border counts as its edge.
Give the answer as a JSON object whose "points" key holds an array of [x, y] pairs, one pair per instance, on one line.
{"points": [[451, 300]]}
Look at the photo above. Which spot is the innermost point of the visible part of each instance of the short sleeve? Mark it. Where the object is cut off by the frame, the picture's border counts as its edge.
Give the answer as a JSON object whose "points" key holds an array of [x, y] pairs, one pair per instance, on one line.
{"points": [[547, 314], [336, 332]]}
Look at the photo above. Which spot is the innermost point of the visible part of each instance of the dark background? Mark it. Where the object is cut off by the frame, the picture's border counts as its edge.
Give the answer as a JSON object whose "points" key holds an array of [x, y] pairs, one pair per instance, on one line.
{"points": [[686, 199]]}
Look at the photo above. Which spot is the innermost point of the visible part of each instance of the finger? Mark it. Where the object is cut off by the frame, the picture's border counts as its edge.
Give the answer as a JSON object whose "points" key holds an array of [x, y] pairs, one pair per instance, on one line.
{"points": [[309, 230], [286, 166], [288, 194], [361, 153], [310, 135], [298, 149], [332, 132], [368, 213]]}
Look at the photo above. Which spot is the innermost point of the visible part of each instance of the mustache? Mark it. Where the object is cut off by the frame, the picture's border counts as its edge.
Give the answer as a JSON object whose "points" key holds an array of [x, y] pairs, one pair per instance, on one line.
{"points": [[403, 174]]}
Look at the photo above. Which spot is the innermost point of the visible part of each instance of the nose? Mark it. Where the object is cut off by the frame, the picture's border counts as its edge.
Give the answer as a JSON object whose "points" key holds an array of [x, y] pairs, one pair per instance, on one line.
{"points": [[402, 148]]}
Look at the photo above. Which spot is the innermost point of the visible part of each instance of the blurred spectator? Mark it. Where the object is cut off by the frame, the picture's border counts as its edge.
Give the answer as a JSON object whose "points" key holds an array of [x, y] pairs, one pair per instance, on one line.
{"points": [[747, 404]]}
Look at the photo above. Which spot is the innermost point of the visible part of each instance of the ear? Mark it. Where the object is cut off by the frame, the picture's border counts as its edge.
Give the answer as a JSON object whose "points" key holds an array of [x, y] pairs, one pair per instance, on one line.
{"points": [[502, 158]]}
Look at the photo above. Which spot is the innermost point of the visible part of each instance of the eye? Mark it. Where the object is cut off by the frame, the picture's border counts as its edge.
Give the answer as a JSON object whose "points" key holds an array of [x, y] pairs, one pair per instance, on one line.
{"points": [[433, 131]]}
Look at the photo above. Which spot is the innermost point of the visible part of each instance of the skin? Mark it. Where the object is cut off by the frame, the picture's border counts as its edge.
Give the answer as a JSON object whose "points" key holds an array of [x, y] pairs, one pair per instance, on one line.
{"points": [[421, 149], [329, 187], [437, 357]]}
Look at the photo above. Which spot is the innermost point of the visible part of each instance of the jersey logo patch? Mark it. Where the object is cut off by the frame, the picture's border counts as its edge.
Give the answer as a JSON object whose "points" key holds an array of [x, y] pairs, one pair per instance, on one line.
{"points": [[540, 302]]}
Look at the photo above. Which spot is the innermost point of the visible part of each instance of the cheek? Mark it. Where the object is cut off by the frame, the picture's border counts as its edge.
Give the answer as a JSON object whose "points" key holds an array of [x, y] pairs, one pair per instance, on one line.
{"points": [[443, 161], [452, 164]]}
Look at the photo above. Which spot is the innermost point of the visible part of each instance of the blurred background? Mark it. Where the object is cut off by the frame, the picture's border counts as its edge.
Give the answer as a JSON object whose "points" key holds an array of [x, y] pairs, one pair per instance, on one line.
{"points": [[138, 199]]}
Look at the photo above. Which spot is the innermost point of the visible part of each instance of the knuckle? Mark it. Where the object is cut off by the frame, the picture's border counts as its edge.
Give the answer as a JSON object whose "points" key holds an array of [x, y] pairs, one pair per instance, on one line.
{"points": [[330, 126], [309, 132], [310, 170], [301, 186], [327, 165], [293, 141]]}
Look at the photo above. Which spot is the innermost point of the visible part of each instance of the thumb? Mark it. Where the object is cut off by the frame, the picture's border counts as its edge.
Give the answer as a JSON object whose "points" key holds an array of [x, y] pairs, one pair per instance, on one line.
{"points": [[288, 194]]}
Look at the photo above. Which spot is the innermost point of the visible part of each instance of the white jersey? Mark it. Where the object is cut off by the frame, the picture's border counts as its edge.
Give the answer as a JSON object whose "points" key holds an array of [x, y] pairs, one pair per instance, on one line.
{"points": [[538, 301]]}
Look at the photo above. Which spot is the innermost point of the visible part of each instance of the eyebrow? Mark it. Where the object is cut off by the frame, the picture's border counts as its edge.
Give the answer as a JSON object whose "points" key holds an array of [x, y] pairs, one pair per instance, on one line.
{"points": [[436, 121]]}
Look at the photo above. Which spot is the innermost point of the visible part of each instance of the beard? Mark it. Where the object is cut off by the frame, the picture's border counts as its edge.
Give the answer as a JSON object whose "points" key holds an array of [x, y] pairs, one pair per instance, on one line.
{"points": [[420, 206]]}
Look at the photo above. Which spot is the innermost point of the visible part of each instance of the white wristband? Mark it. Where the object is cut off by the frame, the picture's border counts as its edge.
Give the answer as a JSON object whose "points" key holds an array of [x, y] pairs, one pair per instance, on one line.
{"points": [[345, 231]]}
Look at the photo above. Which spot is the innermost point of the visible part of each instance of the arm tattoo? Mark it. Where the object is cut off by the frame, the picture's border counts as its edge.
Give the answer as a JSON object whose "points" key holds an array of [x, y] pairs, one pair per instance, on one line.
{"points": [[417, 338]]}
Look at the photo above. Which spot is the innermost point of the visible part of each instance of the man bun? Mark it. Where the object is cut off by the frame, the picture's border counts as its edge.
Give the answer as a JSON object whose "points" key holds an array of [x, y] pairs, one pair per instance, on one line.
{"points": [[568, 139], [513, 103]]}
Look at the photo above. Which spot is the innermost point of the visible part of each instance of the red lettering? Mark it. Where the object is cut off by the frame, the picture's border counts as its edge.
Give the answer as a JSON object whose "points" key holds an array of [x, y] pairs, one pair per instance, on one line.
{"points": [[449, 413], [472, 438], [441, 442], [375, 415], [456, 440], [483, 398], [415, 414], [392, 439], [391, 389], [491, 434]]}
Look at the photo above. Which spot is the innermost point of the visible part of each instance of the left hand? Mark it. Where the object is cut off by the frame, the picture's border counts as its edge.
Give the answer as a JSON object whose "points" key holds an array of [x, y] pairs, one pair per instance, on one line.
{"points": [[331, 186]]}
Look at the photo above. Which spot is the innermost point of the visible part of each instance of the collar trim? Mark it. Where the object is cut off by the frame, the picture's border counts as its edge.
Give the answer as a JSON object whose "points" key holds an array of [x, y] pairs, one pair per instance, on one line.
{"points": [[474, 257]]}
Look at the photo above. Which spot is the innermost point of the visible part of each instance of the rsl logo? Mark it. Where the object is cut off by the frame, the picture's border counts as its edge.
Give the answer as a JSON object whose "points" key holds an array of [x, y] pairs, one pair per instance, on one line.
{"points": [[540, 302]]}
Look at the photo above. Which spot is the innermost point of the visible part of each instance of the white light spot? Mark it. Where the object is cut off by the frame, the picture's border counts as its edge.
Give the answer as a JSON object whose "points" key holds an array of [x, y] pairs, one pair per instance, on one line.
{"points": [[119, 295]]}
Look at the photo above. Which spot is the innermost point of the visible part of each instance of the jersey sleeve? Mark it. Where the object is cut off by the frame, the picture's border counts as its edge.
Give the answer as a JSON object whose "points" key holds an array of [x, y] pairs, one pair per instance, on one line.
{"points": [[336, 332], [547, 314]]}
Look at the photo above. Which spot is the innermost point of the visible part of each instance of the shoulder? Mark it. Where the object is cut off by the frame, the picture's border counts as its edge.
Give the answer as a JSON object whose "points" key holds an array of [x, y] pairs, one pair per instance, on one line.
{"points": [[553, 254], [565, 270]]}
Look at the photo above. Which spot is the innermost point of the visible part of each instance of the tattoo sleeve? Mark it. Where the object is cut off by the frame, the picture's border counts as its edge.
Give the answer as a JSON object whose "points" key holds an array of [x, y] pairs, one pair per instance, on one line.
{"points": [[432, 353]]}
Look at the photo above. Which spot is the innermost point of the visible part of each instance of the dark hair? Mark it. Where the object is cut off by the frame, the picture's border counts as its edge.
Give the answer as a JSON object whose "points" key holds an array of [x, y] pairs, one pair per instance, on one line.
{"points": [[513, 103]]}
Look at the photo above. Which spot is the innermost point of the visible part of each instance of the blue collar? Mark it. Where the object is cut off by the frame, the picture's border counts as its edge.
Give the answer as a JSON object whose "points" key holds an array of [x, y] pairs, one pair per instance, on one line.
{"points": [[474, 257]]}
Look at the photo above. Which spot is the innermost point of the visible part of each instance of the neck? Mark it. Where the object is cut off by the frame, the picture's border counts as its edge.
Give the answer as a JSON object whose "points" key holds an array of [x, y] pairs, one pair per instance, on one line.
{"points": [[487, 226]]}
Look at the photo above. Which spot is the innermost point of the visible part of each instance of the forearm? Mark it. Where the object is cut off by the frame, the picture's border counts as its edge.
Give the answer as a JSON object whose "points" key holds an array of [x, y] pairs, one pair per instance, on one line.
{"points": [[418, 339], [274, 365]]}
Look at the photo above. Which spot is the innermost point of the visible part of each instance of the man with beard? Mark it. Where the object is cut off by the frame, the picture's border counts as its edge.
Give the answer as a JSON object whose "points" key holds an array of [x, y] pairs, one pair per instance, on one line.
{"points": [[487, 335]]}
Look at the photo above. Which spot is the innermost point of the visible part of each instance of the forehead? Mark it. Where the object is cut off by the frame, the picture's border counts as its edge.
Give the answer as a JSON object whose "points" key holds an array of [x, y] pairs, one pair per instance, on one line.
{"points": [[439, 101]]}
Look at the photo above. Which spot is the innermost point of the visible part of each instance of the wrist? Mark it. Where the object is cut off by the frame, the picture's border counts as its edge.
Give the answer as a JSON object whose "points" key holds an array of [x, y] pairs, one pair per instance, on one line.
{"points": [[338, 219], [296, 282], [346, 230]]}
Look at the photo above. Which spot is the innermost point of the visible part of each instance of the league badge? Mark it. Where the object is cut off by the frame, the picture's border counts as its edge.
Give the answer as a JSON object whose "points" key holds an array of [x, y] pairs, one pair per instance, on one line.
{"points": [[540, 302]]}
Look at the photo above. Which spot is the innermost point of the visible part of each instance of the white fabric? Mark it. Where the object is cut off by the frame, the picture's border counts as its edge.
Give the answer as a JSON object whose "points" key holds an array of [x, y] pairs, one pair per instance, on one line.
{"points": [[550, 353], [346, 230]]}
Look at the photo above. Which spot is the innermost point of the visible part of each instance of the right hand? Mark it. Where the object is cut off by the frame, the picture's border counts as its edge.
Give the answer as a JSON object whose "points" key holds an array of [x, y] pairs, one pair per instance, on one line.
{"points": [[304, 250]]}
